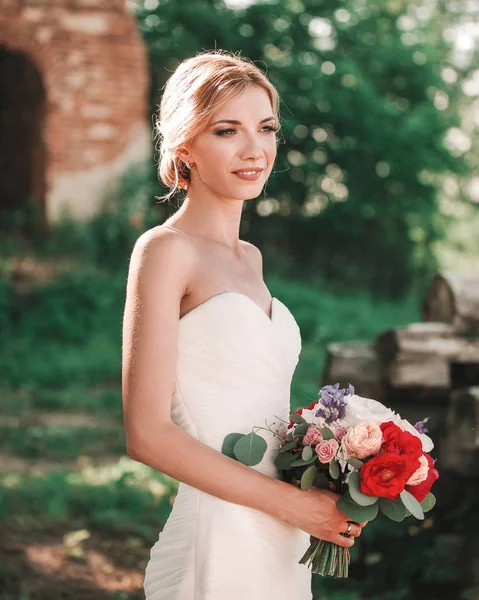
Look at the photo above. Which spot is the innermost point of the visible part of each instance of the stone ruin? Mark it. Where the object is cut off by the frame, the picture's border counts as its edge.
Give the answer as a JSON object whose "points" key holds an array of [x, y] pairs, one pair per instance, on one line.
{"points": [[73, 103], [430, 368]]}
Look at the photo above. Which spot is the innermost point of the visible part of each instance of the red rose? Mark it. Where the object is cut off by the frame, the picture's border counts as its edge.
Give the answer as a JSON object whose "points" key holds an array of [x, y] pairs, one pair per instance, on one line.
{"points": [[385, 475], [397, 441], [300, 410], [421, 490]]}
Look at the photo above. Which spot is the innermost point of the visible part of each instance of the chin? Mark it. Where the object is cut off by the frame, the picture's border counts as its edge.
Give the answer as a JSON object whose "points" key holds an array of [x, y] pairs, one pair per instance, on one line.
{"points": [[250, 194]]}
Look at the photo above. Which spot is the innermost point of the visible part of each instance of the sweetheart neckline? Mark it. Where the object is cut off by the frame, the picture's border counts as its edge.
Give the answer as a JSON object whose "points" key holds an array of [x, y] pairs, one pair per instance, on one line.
{"points": [[211, 298]]}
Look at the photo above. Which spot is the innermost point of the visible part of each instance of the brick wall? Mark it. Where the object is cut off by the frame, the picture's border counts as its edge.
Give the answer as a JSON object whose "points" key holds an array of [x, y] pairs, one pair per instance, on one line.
{"points": [[93, 66]]}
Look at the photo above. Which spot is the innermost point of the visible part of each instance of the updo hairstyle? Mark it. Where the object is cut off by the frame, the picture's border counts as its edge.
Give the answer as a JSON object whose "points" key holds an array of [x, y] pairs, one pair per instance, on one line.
{"points": [[198, 87]]}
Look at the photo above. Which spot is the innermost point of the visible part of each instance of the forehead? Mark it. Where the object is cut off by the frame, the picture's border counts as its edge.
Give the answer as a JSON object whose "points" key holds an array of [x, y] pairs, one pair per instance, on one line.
{"points": [[252, 103]]}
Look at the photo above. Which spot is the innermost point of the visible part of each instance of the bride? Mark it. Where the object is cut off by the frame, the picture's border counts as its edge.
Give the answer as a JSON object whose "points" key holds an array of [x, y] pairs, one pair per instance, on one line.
{"points": [[208, 351]]}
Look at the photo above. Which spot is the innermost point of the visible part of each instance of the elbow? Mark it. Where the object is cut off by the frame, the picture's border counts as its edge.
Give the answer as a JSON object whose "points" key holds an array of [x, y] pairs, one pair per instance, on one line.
{"points": [[134, 450], [133, 453], [139, 447]]}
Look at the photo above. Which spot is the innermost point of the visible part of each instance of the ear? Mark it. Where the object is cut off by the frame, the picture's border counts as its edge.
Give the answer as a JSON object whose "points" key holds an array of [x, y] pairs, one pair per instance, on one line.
{"points": [[184, 154]]}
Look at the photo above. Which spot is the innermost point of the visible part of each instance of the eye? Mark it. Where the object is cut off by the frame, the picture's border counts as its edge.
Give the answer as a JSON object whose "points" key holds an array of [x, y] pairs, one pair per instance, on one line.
{"points": [[225, 131], [270, 128]]}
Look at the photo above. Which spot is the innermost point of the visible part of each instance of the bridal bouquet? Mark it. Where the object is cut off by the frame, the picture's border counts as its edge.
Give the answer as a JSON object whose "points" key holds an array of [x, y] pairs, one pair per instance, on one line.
{"points": [[376, 460]]}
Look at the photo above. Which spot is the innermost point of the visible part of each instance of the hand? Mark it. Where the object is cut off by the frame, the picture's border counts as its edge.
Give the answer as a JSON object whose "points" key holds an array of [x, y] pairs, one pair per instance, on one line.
{"points": [[321, 518]]}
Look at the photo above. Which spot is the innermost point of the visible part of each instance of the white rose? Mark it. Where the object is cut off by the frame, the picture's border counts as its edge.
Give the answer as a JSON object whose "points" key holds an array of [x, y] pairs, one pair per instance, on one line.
{"points": [[365, 409], [308, 414]]}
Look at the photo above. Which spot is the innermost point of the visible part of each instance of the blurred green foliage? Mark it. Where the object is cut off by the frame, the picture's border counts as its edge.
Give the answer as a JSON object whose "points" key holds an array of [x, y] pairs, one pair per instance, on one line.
{"points": [[363, 128], [350, 214], [60, 353]]}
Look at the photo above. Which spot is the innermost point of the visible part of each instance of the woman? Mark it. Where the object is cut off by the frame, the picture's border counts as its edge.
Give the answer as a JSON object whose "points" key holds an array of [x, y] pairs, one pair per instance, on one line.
{"points": [[207, 351]]}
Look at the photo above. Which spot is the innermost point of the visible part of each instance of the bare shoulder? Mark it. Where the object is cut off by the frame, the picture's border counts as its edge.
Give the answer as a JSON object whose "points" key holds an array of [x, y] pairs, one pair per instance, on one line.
{"points": [[254, 254], [159, 251]]}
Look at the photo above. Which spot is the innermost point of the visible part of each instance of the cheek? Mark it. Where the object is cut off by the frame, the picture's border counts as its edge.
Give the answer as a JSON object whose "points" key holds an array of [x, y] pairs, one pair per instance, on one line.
{"points": [[217, 156], [271, 152]]}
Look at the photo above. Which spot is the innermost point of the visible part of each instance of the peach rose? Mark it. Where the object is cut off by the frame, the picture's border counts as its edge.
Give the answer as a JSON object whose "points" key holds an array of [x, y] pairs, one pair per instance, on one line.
{"points": [[421, 472], [313, 436], [364, 439], [326, 450]]}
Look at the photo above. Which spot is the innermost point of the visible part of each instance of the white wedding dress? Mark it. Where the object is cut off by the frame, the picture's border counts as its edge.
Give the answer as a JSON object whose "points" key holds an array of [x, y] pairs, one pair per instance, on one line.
{"points": [[234, 371]]}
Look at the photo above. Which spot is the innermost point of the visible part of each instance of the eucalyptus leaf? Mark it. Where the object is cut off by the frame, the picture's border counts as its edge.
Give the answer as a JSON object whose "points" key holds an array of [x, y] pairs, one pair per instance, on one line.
{"points": [[394, 509], [355, 462], [300, 462], [289, 445], [428, 503], [307, 453], [250, 449], [327, 433], [297, 418], [229, 443], [284, 461], [355, 512], [412, 504], [334, 469], [307, 478], [356, 493], [301, 429]]}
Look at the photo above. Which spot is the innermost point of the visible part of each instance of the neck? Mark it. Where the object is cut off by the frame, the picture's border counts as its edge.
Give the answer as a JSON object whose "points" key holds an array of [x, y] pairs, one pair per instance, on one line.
{"points": [[211, 217]]}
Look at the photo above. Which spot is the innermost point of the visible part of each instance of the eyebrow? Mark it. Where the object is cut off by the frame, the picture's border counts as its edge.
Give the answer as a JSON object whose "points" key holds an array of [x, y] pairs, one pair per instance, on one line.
{"points": [[234, 122]]}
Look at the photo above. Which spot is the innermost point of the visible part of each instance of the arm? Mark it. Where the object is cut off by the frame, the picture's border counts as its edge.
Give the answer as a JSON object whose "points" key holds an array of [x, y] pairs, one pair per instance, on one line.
{"points": [[160, 267]]}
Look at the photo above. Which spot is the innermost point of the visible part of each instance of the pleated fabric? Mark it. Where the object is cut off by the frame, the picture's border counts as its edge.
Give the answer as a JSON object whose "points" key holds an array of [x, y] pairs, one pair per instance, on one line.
{"points": [[234, 371]]}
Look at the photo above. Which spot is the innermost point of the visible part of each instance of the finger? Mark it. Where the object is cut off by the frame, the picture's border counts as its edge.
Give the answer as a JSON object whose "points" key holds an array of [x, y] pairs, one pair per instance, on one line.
{"points": [[346, 542], [351, 529]]}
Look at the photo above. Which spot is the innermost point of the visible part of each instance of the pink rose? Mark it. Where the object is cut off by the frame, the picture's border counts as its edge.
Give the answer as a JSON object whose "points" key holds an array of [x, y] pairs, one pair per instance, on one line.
{"points": [[340, 432], [326, 450], [421, 473], [364, 439], [312, 436]]}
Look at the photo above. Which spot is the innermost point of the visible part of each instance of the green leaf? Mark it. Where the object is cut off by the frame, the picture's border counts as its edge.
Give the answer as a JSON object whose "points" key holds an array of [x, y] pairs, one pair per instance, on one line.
{"points": [[307, 453], [355, 462], [289, 445], [307, 478], [229, 442], [355, 512], [301, 429], [284, 462], [428, 503], [394, 509], [412, 504], [297, 418], [334, 469], [250, 449], [327, 433], [356, 493], [299, 462]]}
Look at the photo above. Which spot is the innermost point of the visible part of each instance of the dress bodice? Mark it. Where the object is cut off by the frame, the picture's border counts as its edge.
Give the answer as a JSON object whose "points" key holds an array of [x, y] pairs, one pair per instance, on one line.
{"points": [[234, 369]]}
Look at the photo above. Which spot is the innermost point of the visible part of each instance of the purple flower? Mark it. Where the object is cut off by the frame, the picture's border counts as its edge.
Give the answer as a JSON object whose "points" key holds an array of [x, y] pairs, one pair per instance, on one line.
{"points": [[420, 426], [333, 404]]}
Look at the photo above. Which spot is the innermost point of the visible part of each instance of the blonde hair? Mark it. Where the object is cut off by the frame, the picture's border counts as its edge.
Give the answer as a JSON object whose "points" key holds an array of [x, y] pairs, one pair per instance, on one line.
{"points": [[197, 88]]}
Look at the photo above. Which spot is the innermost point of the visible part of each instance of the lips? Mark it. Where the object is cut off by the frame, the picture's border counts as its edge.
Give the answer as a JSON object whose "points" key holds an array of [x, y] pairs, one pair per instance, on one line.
{"points": [[248, 174]]}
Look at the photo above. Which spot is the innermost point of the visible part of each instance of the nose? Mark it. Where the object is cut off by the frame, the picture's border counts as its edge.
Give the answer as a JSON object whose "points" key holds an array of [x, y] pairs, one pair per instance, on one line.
{"points": [[252, 149]]}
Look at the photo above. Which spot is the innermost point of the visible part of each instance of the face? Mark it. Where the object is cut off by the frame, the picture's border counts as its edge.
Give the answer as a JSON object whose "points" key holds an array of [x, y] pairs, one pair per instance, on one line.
{"points": [[234, 155]]}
